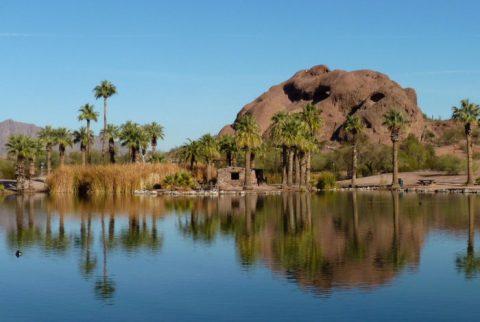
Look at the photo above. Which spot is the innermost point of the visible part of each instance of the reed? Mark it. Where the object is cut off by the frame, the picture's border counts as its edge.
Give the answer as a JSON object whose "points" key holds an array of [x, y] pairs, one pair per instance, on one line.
{"points": [[109, 179]]}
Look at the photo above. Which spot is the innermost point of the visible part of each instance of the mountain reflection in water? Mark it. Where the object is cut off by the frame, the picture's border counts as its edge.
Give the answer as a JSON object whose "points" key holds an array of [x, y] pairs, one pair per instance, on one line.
{"points": [[322, 242]]}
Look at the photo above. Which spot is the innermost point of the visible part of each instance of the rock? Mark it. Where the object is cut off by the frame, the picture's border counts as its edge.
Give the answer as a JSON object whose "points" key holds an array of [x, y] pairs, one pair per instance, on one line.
{"points": [[365, 93]]}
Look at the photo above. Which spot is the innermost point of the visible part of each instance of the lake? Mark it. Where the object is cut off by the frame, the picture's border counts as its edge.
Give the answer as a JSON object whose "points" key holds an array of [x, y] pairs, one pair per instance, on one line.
{"points": [[344, 256]]}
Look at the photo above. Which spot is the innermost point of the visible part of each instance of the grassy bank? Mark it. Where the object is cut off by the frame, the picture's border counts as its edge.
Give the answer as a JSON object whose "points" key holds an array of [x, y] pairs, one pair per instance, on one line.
{"points": [[109, 179]]}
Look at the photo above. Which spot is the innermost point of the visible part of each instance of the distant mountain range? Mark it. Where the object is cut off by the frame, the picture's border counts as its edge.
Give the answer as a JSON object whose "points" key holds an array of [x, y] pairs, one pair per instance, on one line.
{"points": [[10, 127]]}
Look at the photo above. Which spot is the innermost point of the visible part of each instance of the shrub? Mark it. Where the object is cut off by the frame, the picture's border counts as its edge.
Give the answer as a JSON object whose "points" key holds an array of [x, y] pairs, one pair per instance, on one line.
{"points": [[326, 180], [108, 179], [449, 163], [7, 169], [179, 181], [2, 188]]}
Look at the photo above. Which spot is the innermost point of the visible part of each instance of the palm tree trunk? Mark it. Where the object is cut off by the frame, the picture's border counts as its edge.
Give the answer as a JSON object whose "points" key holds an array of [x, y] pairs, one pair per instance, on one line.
{"points": [[284, 166], [154, 145], [88, 141], [297, 168], [469, 161], [252, 160], [20, 174], [209, 177], [395, 184], [302, 162], [111, 150], [49, 159], [248, 180], [31, 173], [192, 162], [354, 163], [229, 158], [62, 156], [290, 167], [308, 170], [105, 110]]}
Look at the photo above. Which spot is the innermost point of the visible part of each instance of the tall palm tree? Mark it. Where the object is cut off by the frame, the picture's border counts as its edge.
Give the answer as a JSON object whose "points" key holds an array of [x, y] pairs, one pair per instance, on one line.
{"points": [[21, 147], [228, 146], [277, 137], [63, 138], [112, 133], [311, 116], [82, 136], [209, 151], [155, 132], [248, 137], [468, 113], [395, 121], [190, 152], [354, 126], [104, 90], [88, 113], [47, 137], [131, 135]]}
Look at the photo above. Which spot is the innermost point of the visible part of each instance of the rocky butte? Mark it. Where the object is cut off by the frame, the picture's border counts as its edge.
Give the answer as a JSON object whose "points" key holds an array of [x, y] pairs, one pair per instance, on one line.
{"points": [[338, 93]]}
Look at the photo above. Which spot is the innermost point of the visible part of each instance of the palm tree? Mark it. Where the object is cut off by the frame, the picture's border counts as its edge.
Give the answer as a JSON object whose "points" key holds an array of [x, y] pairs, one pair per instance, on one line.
{"points": [[228, 146], [104, 90], [47, 137], [131, 135], [468, 113], [88, 113], [82, 136], [112, 133], [277, 136], [248, 137], [209, 151], [21, 147], [155, 132], [395, 121], [190, 152], [311, 116], [293, 132], [35, 152], [354, 126], [63, 138]]}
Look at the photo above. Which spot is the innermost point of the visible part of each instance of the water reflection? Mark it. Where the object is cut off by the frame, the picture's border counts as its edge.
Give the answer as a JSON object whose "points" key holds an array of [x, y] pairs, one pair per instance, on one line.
{"points": [[321, 242]]}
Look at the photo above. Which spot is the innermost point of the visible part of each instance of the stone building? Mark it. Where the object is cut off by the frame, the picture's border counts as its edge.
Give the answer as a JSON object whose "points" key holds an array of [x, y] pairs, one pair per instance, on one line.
{"points": [[233, 178]]}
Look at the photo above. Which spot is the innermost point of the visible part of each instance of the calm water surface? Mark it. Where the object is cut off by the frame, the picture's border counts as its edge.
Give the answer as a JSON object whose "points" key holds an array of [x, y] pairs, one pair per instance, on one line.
{"points": [[295, 257]]}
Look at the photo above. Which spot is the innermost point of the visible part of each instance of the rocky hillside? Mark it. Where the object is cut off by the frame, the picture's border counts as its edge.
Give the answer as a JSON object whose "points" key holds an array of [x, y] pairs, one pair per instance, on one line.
{"points": [[338, 93]]}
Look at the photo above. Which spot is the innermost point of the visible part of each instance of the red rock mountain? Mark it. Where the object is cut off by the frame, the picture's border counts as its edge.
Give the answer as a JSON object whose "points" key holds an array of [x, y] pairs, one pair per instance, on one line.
{"points": [[10, 127], [338, 93]]}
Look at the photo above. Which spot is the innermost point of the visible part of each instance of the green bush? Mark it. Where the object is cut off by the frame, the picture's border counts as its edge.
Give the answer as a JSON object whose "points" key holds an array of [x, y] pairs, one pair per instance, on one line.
{"points": [[179, 181], [2, 188], [326, 180], [449, 163], [7, 169]]}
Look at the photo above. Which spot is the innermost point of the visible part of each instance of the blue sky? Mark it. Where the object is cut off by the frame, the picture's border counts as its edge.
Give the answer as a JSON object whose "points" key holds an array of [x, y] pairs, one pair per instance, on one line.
{"points": [[191, 65]]}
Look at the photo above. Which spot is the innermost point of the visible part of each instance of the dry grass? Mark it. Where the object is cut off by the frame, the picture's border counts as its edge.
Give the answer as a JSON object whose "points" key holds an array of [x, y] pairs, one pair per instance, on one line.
{"points": [[109, 179]]}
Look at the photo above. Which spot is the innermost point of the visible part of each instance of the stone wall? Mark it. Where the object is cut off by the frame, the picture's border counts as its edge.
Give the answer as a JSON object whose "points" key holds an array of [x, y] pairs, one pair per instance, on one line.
{"points": [[233, 177]]}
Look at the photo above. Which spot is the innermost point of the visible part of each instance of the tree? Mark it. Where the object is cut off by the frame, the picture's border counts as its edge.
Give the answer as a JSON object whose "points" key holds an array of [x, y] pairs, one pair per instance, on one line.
{"points": [[354, 126], [248, 137], [63, 138], [277, 137], [228, 146], [209, 151], [82, 136], [190, 152], [112, 133], [47, 137], [311, 116], [35, 152], [395, 121], [104, 90], [468, 113], [20, 146], [294, 131], [155, 133], [132, 135], [88, 113]]}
